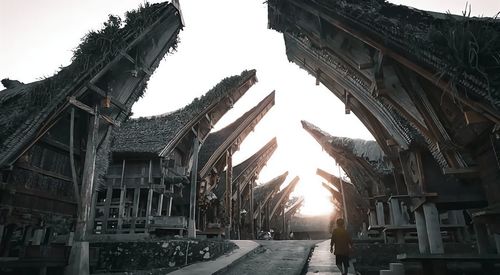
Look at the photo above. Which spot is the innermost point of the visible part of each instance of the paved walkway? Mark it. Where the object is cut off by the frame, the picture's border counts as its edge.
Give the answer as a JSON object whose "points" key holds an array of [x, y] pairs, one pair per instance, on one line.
{"points": [[323, 262], [221, 262]]}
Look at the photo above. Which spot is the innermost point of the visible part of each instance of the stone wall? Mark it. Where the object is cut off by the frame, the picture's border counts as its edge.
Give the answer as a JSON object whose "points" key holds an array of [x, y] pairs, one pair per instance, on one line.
{"points": [[166, 255]]}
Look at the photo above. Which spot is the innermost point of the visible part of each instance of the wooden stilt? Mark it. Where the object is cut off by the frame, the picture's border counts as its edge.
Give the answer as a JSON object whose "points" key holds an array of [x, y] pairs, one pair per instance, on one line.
{"points": [[252, 223], [193, 190], [123, 192], [229, 192]]}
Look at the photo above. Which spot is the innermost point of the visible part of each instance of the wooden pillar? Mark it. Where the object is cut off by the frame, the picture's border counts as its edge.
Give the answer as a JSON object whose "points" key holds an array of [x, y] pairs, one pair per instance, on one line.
{"points": [[423, 239], [160, 197], [433, 228], [107, 204], [2, 228], [259, 217], [135, 208], [150, 195], [252, 222], [38, 236], [238, 211], [482, 238], [193, 190], [396, 211], [82, 225], [268, 217], [497, 242], [380, 213], [121, 207], [372, 218], [283, 226], [229, 192]]}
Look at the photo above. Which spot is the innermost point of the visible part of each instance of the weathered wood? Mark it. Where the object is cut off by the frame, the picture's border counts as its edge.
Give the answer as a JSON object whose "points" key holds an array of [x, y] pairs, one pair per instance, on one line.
{"points": [[472, 117], [229, 191], [82, 227], [105, 94], [252, 221], [107, 204], [238, 210], [72, 160], [458, 171], [44, 172], [72, 100], [123, 190], [135, 210], [193, 189]]}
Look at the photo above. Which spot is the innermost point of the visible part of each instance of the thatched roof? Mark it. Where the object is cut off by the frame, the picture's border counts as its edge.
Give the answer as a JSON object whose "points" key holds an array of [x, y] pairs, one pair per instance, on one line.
{"points": [[24, 108], [282, 196], [216, 144], [367, 150], [153, 134], [464, 49], [256, 162], [261, 191]]}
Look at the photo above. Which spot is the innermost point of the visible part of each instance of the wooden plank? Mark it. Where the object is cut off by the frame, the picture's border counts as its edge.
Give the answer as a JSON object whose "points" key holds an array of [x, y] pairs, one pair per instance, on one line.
{"points": [[123, 191], [135, 205], [43, 172], [472, 117], [59, 145], [460, 171], [72, 100]]}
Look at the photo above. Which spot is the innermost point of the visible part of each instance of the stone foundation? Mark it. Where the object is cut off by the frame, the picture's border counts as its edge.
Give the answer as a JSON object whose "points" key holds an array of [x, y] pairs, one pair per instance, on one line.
{"points": [[166, 255]]}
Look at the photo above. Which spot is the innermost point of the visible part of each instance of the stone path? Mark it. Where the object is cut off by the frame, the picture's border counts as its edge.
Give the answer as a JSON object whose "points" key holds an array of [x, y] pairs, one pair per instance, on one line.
{"points": [[323, 262]]}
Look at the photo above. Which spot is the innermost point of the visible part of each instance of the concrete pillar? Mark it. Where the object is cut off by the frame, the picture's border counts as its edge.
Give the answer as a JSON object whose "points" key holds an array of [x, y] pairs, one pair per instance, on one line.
{"points": [[396, 212], [38, 236], [433, 228], [423, 239], [482, 239], [380, 213]]}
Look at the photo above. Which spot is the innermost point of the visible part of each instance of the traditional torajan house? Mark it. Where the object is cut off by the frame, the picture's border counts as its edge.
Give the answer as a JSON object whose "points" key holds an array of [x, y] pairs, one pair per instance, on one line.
{"points": [[262, 195], [152, 171], [52, 129], [277, 207], [429, 97], [213, 156], [241, 178], [356, 206]]}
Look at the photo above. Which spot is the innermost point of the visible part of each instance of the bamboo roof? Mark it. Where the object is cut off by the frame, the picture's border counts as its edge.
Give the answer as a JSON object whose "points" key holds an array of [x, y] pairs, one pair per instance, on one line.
{"points": [[440, 43], [216, 144], [154, 134], [255, 163], [24, 108], [263, 190]]}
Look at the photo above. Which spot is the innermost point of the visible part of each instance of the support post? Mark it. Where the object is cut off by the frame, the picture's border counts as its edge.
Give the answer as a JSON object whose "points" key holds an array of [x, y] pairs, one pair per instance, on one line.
{"points": [[135, 208], [121, 207], [268, 217], [283, 230], [107, 205], [433, 228], [396, 211], [346, 219], [252, 222], [380, 213], [238, 211], [78, 262], [229, 192], [193, 190], [482, 238], [423, 239], [372, 218], [497, 242], [259, 218]]}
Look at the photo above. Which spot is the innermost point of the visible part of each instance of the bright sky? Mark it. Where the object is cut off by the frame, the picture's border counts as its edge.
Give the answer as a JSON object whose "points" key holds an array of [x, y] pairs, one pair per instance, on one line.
{"points": [[221, 38]]}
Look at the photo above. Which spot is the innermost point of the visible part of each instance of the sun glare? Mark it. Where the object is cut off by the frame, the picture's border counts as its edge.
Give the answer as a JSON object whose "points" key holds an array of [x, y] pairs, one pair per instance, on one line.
{"points": [[316, 198]]}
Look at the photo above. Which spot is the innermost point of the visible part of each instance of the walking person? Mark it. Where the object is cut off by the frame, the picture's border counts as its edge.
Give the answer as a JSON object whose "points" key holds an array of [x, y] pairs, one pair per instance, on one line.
{"points": [[343, 244]]}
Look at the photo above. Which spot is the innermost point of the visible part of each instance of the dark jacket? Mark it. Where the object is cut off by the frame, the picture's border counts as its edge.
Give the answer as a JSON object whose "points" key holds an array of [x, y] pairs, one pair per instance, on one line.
{"points": [[342, 241]]}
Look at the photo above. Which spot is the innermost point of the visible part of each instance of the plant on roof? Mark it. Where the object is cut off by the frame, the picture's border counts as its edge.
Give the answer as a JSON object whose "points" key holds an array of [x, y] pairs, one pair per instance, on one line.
{"points": [[472, 47]]}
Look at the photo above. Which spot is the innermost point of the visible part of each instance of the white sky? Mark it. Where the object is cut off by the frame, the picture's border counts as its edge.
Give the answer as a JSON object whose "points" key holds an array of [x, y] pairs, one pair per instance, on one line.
{"points": [[221, 38]]}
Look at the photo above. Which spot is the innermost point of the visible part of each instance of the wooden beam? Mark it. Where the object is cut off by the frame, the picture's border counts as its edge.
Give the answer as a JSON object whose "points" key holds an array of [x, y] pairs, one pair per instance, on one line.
{"points": [[472, 117], [43, 172], [430, 76], [106, 94], [229, 192], [82, 106], [458, 171]]}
